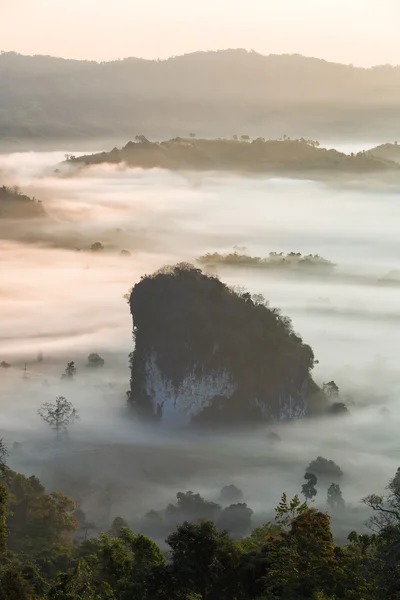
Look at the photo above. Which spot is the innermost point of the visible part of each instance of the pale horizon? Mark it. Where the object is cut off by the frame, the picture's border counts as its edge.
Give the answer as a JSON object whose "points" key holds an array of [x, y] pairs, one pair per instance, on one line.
{"points": [[363, 33]]}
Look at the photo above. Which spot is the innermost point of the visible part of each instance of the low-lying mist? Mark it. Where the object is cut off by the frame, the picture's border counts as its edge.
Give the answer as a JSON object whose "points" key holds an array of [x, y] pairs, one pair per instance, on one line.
{"points": [[60, 302]]}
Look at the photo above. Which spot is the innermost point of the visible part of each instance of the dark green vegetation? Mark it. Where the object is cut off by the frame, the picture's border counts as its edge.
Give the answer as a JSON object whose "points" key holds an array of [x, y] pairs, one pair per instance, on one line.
{"points": [[45, 99], [322, 467], [275, 260], [190, 325], [257, 156], [293, 557], [387, 152], [15, 205]]}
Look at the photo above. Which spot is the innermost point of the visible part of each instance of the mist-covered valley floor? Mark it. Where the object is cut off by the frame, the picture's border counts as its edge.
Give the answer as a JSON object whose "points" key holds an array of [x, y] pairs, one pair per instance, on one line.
{"points": [[59, 302]]}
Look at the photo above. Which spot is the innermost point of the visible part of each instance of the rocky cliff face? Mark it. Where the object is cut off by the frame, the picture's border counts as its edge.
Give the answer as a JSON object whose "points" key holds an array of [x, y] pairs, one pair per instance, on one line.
{"points": [[206, 354]]}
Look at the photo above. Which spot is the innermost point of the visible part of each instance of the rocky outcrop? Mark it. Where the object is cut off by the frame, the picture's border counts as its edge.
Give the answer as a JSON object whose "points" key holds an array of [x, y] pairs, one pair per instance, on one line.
{"points": [[205, 353]]}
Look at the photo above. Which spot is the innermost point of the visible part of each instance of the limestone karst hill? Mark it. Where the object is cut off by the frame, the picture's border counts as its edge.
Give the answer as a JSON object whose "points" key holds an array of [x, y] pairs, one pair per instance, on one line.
{"points": [[205, 353]]}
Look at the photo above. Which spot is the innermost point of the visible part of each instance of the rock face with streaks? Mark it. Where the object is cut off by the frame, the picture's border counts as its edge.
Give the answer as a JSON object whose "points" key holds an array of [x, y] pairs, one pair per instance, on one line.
{"points": [[206, 354]]}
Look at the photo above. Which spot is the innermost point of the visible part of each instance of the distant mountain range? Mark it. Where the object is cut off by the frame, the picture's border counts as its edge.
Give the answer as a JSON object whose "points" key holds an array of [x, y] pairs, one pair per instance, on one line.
{"points": [[45, 99]]}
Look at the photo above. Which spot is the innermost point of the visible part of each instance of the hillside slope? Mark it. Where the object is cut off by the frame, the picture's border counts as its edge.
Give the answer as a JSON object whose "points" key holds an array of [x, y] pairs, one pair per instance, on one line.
{"points": [[14, 205], [258, 156], [209, 93]]}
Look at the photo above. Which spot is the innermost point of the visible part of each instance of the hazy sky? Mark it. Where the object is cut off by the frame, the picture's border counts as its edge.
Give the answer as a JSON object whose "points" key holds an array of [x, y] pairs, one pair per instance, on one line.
{"points": [[362, 32]]}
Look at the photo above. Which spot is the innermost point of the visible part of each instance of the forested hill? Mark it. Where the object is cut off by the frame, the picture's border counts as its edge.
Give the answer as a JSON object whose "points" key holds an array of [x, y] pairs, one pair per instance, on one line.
{"points": [[209, 93], [257, 156], [15, 205], [387, 152]]}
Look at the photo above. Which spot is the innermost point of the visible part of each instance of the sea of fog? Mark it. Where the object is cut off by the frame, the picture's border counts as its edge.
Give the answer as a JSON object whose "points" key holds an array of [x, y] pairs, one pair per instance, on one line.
{"points": [[59, 302]]}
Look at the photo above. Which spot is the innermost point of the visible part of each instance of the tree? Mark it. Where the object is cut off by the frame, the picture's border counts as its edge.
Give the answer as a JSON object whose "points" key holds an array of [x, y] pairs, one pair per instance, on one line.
{"points": [[236, 519], [70, 371], [308, 489], [245, 138], [331, 390], [386, 507], [235, 137], [141, 139], [199, 554], [3, 453], [230, 493], [97, 247], [117, 525], [37, 522], [324, 468], [4, 364], [286, 511], [95, 361], [335, 498], [191, 507], [79, 585], [58, 416], [3, 515], [192, 135]]}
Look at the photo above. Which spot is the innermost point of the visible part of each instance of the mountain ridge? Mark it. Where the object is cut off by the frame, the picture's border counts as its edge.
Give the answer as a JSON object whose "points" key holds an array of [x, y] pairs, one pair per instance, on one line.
{"points": [[45, 98]]}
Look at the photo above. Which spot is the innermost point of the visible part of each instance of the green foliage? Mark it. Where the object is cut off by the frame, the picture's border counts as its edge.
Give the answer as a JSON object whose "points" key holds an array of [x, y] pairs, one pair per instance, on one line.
{"points": [[3, 524], [302, 560], [80, 585], [36, 521], [294, 558], [200, 556], [286, 511]]}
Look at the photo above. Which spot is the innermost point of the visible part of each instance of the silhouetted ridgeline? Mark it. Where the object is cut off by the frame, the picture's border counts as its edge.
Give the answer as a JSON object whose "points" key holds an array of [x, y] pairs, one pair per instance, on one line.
{"points": [[211, 93], [258, 156], [203, 353], [14, 205]]}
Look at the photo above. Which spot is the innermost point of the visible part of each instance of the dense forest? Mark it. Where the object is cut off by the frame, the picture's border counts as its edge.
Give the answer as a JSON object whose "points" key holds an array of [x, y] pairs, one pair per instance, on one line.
{"points": [[45, 99], [239, 155], [292, 557]]}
